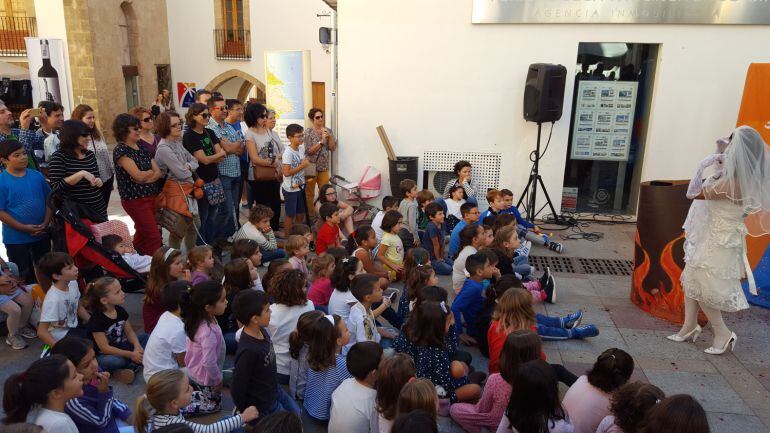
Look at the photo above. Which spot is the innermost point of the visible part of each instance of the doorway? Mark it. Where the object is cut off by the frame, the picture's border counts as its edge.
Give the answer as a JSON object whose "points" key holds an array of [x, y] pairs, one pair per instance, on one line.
{"points": [[319, 95], [608, 126]]}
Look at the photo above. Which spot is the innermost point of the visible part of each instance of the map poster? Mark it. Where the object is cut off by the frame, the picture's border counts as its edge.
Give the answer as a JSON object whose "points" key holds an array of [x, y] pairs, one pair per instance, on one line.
{"points": [[289, 89], [604, 120]]}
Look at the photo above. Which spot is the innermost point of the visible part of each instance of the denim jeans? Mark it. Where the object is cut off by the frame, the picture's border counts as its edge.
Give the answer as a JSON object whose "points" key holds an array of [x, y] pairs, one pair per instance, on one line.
{"points": [[551, 328], [213, 220], [521, 266], [284, 403], [110, 363], [231, 344], [442, 267], [269, 256], [390, 315], [232, 202]]}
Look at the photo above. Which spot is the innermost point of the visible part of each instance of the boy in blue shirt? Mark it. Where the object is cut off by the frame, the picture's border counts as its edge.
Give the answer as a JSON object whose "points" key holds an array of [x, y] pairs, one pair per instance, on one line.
{"points": [[527, 229], [470, 300], [433, 240], [23, 210]]}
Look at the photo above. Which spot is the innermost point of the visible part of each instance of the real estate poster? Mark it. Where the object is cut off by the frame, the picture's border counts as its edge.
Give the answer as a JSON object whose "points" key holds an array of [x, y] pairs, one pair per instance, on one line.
{"points": [[289, 89], [604, 120], [48, 72]]}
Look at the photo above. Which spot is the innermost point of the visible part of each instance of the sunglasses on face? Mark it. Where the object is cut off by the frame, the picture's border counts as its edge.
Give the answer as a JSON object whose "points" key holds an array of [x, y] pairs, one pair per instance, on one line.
{"points": [[318, 117], [134, 128], [205, 115], [147, 119]]}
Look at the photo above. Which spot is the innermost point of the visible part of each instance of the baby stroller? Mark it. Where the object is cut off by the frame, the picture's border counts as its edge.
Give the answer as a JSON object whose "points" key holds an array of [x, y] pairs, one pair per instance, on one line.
{"points": [[357, 194], [72, 233]]}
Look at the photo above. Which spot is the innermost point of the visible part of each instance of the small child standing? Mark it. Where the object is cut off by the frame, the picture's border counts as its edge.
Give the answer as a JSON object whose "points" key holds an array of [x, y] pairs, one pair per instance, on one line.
{"points": [[97, 410], [39, 394], [353, 402], [205, 355], [299, 345], [423, 197], [138, 262], [408, 208], [294, 162], [297, 248], [201, 259], [119, 351], [329, 233], [167, 346], [366, 288], [391, 249], [61, 306], [327, 364], [321, 288], [255, 379], [433, 240], [168, 392], [388, 203]]}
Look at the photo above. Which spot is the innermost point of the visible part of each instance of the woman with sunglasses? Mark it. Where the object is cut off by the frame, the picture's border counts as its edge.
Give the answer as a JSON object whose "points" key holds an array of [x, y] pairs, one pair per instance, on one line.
{"points": [[138, 175], [73, 171], [203, 144], [147, 138], [319, 143], [86, 114], [265, 151], [179, 166]]}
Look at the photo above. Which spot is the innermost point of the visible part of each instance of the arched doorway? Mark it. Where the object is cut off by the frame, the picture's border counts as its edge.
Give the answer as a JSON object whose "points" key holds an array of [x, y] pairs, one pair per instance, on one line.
{"points": [[238, 85]]}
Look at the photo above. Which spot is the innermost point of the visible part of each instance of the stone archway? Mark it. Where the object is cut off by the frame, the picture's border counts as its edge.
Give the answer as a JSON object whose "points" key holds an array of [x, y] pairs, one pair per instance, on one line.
{"points": [[248, 81]]}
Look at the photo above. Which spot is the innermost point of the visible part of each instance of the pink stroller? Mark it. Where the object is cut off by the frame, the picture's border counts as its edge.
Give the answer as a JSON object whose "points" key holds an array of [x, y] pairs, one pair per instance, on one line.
{"points": [[357, 194]]}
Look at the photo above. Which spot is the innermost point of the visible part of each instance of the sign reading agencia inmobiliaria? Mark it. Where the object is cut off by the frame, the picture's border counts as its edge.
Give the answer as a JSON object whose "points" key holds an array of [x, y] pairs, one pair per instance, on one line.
{"points": [[621, 11]]}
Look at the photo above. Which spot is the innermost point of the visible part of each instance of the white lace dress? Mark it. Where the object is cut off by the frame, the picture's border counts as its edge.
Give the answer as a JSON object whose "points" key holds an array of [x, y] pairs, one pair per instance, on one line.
{"points": [[713, 253]]}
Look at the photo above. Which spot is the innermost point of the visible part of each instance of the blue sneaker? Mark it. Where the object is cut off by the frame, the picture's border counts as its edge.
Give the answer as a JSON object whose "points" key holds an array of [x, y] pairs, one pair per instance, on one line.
{"points": [[584, 331], [572, 320]]}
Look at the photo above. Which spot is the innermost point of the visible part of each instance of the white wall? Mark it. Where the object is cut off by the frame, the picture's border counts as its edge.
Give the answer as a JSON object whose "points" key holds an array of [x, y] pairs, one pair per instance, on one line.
{"points": [[438, 82], [49, 15], [275, 25]]}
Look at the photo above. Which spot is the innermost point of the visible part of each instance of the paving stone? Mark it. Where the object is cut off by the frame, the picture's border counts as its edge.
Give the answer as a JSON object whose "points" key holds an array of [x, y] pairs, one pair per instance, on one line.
{"points": [[644, 342], [611, 287], [711, 390], [761, 373], [732, 423], [687, 365], [592, 313], [630, 316], [744, 383]]}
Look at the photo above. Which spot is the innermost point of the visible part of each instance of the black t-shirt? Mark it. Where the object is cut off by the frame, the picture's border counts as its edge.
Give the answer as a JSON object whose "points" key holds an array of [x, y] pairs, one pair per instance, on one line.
{"points": [[193, 142], [114, 329], [127, 187], [255, 380]]}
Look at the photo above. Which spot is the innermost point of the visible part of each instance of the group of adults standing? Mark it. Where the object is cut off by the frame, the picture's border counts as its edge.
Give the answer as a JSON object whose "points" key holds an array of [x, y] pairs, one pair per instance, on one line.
{"points": [[161, 161]]}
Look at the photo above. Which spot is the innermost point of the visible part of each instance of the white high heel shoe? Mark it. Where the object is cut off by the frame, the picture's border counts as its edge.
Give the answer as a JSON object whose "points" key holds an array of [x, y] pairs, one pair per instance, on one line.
{"points": [[694, 334], [729, 343]]}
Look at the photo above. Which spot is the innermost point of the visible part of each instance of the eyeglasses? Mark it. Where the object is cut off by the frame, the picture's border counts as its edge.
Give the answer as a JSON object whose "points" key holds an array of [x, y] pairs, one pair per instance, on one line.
{"points": [[147, 119], [205, 115], [176, 125], [331, 193], [221, 108], [133, 128], [318, 117]]}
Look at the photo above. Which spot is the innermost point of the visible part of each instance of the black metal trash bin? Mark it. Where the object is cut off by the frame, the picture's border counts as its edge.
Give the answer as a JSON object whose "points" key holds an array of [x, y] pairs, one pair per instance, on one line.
{"points": [[404, 167]]}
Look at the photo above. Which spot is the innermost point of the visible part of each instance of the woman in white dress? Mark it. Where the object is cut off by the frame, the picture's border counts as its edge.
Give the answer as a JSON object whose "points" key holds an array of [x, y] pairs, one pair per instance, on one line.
{"points": [[729, 204]]}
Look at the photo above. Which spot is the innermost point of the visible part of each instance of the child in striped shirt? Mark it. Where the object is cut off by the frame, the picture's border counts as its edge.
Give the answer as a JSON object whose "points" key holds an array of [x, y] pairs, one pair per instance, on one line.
{"points": [[327, 364]]}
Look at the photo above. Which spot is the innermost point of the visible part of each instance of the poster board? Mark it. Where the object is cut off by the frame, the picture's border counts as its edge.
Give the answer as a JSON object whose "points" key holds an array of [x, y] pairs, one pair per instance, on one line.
{"points": [[48, 72], [604, 120], [289, 89]]}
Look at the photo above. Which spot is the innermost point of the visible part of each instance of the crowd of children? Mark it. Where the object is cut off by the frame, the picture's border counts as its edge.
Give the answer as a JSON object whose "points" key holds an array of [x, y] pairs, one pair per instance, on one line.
{"points": [[311, 336]]}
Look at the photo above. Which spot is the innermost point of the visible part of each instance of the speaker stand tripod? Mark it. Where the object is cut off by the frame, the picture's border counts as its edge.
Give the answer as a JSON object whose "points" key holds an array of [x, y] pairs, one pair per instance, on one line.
{"points": [[534, 179]]}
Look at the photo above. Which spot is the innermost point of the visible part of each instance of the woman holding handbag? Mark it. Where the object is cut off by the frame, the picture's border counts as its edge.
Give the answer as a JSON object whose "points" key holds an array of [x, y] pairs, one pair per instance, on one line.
{"points": [[175, 201], [265, 159], [203, 144]]}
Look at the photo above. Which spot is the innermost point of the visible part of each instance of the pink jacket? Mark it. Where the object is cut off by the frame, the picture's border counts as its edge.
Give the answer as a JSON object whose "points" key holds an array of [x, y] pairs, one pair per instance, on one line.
{"points": [[490, 409], [205, 355]]}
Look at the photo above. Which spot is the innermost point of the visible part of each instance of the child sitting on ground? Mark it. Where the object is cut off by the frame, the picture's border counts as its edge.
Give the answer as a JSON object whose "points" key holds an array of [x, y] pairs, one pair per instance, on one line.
{"points": [[472, 239], [169, 391], [239, 275], [248, 249], [677, 413], [388, 203], [303, 230], [119, 351], [258, 229], [433, 240], [17, 304], [361, 245], [138, 262], [361, 322], [329, 233], [419, 394], [527, 230], [394, 373], [629, 405], [408, 208], [274, 268], [321, 288], [297, 248], [167, 345], [327, 364], [342, 298], [391, 249], [353, 408], [61, 307], [39, 394], [454, 205], [423, 197], [255, 381], [299, 345], [470, 213], [420, 276], [167, 267], [201, 261], [468, 303], [97, 410]]}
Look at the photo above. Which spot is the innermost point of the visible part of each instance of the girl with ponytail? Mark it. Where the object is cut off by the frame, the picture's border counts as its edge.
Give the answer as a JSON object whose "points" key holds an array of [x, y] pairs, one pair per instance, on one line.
{"points": [[39, 394]]}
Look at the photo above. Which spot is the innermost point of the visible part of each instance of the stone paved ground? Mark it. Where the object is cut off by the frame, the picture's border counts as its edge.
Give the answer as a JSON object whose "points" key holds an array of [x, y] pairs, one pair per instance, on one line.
{"points": [[734, 389]]}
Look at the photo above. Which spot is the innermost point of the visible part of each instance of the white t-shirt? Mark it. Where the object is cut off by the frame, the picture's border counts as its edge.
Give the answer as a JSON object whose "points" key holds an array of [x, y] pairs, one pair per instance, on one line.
{"points": [[51, 421], [353, 409], [361, 325], [453, 207], [60, 310], [166, 339], [377, 223], [340, 303], [138, 262], [292, 158], [560, 426], [384, 424], [283, 321], [458, 269]]}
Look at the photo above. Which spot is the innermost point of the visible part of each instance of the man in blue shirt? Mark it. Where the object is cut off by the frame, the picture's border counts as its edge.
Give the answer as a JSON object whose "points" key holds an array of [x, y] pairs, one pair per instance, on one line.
{"points": [[470, 213], [470, 300]]}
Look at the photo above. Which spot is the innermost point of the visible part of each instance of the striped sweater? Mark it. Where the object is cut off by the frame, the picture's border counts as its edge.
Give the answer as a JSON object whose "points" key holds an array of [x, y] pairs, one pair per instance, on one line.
{"points": [[63, 165], [223, 426]]}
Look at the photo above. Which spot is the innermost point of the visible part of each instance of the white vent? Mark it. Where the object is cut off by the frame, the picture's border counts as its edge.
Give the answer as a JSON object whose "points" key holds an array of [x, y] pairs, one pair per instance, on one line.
{"points": [[486, 168]]}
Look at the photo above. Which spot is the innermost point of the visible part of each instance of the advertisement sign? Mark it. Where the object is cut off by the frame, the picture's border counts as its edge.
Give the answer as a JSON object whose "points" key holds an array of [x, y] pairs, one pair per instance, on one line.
{"points": [[289, 89], [604, 120], [186, 92], [48, 72]]}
